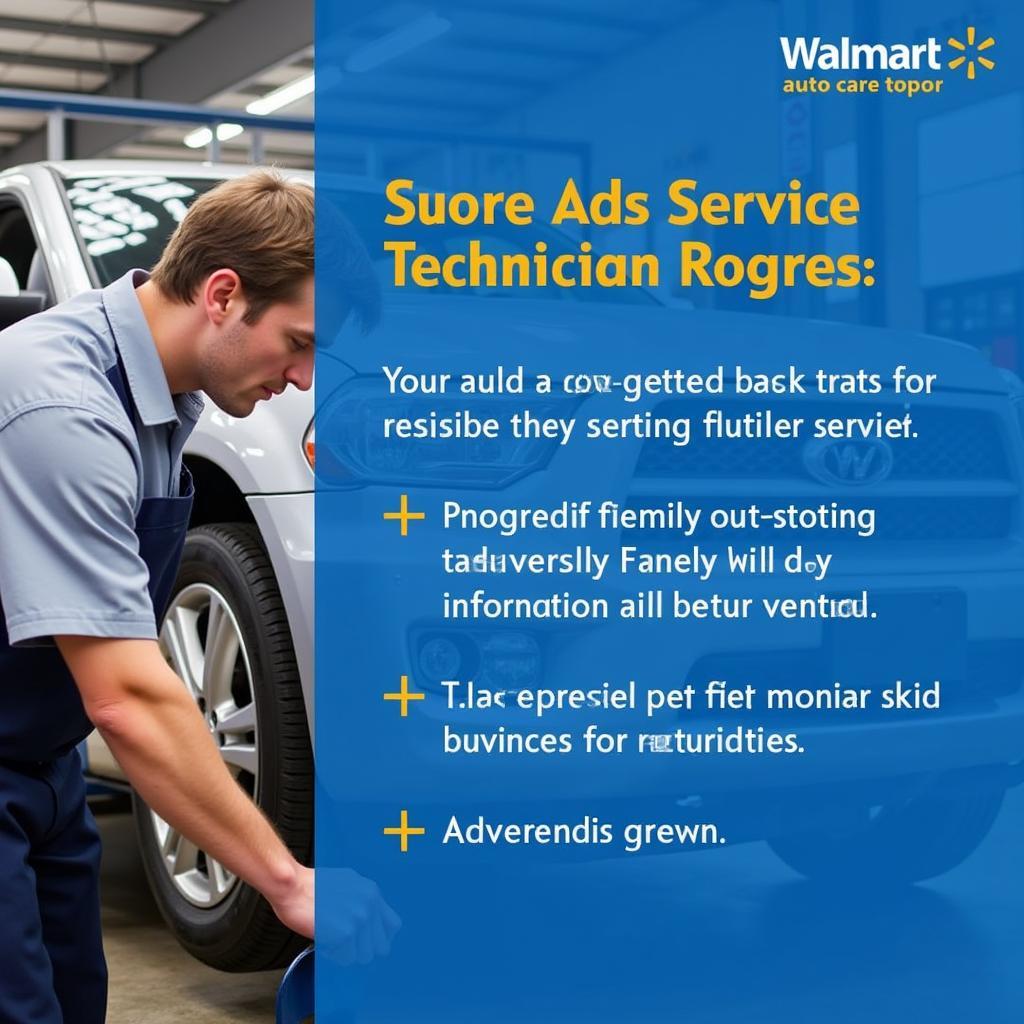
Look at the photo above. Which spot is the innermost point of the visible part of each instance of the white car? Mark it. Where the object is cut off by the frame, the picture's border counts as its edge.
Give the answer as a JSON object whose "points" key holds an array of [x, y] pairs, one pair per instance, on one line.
{"points": [[240, 627]]}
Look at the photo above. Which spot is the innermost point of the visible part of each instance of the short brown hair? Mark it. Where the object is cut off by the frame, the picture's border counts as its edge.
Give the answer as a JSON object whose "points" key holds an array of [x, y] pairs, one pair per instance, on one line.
{"points": [[259, 225]]}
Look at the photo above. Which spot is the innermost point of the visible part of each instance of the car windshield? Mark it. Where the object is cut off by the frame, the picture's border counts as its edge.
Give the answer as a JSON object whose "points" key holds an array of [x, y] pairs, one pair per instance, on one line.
{"points": [[125, 220]]}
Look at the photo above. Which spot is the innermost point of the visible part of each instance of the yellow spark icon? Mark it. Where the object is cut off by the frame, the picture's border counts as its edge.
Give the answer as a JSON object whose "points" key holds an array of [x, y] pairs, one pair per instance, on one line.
{"points": [[969, 45]]}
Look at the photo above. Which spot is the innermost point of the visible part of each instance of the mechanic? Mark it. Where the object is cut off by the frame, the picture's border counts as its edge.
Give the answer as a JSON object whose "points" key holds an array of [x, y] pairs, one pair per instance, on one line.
{"points": [[99, 396]]}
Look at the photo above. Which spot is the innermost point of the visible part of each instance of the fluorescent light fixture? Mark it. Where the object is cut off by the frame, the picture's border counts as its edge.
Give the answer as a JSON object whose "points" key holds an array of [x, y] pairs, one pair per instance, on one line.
{"points": [[202, 136], [403, 39], [282, 97]]}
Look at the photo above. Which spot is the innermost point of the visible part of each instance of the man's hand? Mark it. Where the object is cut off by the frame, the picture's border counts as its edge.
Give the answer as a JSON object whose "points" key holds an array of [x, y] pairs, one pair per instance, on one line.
{"points": [[361, 925], [294, 906]]}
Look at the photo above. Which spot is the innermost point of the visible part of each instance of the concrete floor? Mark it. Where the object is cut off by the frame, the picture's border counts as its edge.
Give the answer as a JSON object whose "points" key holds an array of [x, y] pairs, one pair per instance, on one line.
{"points": [[736, 928], [730, 936], [152, 979]]}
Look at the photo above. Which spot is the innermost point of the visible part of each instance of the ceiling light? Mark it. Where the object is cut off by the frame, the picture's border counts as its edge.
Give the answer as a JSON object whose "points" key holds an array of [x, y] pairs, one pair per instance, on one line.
{"points": [[387, 47], [202, 136], [282, 97]]}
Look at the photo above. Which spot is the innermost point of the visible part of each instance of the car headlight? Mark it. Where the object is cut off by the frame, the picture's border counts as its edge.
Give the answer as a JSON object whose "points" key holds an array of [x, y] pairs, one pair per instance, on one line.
{"points": [[309, 445], [364, 434], [507, 661]]}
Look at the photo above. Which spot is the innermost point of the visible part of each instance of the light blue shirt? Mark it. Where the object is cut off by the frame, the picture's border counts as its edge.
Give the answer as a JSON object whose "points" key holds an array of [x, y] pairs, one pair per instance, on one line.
{"points": [[74, 469]]}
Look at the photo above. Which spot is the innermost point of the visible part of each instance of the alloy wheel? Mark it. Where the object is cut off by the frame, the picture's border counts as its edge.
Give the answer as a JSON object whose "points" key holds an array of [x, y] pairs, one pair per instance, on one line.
{"points": [[201, 640]]}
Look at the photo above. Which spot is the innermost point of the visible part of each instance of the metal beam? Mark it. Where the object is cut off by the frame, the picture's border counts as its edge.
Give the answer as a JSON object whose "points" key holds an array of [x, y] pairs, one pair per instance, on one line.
{"points": [[206, 7], [469, 78], [871, 141], [42, 60], [464, 102], [356, 130], [234, 148], [66, 28], [233, 46], [553, 15], [415, 77], [56, 135], [534, 48], [109, 108]]}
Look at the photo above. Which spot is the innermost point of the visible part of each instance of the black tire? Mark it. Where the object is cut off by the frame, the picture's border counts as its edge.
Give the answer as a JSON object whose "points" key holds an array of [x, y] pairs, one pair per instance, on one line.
{"points": [[908, 842], [241, 933]]}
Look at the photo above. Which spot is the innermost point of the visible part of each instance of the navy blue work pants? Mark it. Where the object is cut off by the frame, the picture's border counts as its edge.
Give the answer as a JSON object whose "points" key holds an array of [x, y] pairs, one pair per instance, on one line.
{"points": [[52, 969]]}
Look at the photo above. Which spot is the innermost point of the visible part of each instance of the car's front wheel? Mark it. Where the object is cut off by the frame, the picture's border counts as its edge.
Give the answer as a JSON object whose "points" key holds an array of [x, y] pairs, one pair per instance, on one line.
{"points": [[226, 636], [903, 842]]}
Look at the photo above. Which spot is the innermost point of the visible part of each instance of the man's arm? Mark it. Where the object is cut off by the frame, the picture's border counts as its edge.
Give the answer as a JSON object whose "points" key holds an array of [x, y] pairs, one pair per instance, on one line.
{"points": [[159, 738]]}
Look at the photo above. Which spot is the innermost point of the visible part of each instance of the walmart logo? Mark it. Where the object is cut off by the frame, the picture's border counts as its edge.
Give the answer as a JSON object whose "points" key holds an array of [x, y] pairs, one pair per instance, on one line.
{"points": [[966, 49], [815, 54], [847, 55]]}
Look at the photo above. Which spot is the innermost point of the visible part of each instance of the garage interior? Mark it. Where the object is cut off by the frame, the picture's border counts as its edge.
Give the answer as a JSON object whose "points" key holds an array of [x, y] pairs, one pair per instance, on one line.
{"points": [[456, 80]]}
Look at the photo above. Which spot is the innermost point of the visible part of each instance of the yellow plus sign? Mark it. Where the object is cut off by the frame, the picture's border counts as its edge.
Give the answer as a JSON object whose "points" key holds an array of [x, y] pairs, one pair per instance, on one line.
{"points": [[404, 831], [404, 695], [403, 515]]}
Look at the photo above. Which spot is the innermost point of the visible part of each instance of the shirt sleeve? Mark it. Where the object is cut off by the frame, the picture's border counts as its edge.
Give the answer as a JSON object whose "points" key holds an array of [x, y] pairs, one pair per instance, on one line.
{"points": [[69, 555]]}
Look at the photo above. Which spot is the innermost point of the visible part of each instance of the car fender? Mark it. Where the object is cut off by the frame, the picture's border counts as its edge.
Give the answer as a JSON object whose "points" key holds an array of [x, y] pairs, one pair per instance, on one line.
{"points": [[262, 453]]}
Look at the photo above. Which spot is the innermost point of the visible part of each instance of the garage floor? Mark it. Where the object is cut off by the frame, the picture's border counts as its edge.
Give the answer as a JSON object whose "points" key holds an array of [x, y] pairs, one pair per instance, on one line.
{"points": [[949, 951], [152, 980]]}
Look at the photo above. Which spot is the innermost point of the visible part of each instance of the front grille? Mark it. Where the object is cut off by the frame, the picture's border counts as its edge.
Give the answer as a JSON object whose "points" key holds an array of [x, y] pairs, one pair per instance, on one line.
{"points": [[955, 446], [952, 444]]}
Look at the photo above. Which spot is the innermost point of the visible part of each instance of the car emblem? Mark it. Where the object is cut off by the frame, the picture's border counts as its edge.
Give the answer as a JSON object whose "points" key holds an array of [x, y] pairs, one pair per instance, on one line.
{"points": [[853, 463]]}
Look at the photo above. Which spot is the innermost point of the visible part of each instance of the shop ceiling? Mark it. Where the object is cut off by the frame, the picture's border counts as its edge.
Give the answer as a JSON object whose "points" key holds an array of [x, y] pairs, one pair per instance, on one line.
{"points": [[449, 66]]}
